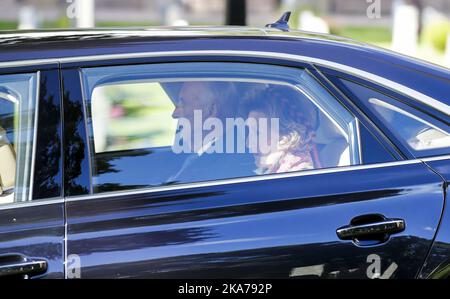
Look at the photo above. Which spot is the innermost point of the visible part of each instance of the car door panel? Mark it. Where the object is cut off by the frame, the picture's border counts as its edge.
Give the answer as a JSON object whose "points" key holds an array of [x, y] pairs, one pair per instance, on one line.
{"points": [[33, 231], [275, 226], [441, 165], [437, 264], [266, 228]]}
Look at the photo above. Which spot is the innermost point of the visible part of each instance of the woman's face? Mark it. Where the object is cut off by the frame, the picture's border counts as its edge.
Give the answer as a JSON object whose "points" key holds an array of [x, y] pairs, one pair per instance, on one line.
{"points": [[263, 137], [265, 149]]}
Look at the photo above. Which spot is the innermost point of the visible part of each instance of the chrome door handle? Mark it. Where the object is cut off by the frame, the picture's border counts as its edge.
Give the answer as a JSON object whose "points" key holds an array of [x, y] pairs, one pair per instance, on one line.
{"points": [[17, 265], [388, 226]]}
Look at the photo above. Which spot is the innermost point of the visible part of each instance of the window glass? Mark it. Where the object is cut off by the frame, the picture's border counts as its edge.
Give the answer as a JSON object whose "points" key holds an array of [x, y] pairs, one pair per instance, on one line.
{"points": [[132, 116], [412, 128], [162, 124], [372, 150], [17, 116]]}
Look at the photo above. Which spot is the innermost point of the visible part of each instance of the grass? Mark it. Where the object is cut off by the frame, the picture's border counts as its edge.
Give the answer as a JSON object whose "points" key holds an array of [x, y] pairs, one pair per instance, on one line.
{"points": [[125, 24], [8, 25], [382, 37], [65, 23], [370, 35]]}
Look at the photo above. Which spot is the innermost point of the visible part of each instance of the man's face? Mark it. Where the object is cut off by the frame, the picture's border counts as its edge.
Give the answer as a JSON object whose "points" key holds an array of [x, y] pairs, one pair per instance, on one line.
{"points": [[195, 96]]}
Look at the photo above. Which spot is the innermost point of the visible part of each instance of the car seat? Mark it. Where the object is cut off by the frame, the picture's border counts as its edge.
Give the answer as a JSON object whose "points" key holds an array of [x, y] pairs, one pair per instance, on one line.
{"points": [[7, 169]]}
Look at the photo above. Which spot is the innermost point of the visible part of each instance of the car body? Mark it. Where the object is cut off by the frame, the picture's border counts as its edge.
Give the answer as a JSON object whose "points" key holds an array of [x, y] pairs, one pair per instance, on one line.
{"points": [[272, 226]]}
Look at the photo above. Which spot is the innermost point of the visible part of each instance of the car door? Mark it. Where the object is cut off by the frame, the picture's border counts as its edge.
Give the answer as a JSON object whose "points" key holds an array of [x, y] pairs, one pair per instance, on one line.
{"points": [[356, 209], [31, 202], [425, 136], [437, 264]]}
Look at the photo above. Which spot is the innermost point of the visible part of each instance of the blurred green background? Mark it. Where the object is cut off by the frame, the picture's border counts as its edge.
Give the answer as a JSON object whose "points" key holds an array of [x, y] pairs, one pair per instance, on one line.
{"points": [[418, 28]]}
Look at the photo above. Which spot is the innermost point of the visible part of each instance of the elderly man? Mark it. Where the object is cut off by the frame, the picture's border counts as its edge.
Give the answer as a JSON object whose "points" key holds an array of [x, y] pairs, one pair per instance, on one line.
{"points": [[201, 102]]}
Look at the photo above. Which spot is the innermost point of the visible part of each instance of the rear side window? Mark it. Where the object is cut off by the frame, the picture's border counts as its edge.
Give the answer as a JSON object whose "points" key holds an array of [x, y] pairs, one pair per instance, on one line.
{"points": [[420, 133], [17, 127], [165, 124]]}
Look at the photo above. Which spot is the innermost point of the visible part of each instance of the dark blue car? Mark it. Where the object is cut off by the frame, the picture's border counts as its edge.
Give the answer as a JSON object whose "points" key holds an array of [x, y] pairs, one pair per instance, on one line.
{"points": [[100, 176]]}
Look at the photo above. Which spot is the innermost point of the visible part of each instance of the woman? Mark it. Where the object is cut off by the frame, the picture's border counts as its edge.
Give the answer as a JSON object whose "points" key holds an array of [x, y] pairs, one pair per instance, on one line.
{"points": [[294, 149]]}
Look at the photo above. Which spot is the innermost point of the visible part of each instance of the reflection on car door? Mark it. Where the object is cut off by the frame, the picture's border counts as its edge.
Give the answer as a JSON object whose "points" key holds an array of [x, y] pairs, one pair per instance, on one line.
{"points": [[272, 227]]}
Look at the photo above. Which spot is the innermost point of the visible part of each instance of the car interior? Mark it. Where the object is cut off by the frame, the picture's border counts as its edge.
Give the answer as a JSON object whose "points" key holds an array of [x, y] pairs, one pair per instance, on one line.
{"points": [[7, 152], [332, 144], [7, 169]]}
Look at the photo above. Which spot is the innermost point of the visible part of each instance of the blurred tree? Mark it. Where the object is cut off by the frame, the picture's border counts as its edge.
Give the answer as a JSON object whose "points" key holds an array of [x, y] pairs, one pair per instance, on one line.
{"points": [[236, 12]]}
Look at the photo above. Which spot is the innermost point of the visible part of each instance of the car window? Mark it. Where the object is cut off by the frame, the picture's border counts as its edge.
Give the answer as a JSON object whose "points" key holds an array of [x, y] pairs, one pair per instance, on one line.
{"points": [[165, 124], [139, 116], [421, 134], [17, 116]]}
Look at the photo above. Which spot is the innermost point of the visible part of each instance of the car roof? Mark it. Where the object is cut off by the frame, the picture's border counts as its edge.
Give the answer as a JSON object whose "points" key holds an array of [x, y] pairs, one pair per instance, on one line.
{"points": [[24, 37]]}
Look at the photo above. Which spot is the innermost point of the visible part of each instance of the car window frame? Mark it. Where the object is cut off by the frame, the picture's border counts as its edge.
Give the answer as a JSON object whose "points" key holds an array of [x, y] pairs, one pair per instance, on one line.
{"points": [[333, 116], [41, 70], [396, 97], [225, 58], [131, 58]]}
